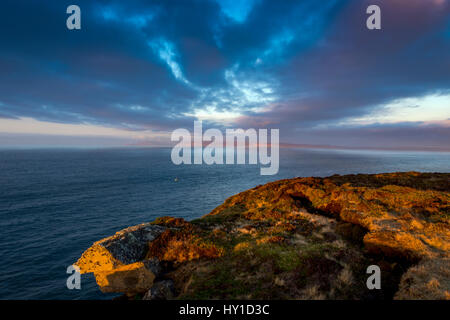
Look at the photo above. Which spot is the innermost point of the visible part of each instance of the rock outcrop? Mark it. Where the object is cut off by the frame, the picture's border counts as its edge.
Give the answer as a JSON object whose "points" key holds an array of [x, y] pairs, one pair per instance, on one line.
{"points": [[302, 238], [118, 262]]}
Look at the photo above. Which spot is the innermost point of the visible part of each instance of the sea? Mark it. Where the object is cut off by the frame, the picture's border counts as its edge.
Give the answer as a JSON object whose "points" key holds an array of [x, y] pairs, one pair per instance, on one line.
{"points": [[54, 203]]}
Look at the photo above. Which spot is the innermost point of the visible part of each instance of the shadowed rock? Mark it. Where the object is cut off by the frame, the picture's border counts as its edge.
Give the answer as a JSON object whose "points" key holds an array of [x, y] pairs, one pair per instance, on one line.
{"points": [[131, 278], [161, 290]]}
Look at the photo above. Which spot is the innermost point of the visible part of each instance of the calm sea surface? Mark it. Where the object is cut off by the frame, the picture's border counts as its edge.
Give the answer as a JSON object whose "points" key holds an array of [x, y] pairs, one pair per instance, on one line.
{"points": [[55, 203]]}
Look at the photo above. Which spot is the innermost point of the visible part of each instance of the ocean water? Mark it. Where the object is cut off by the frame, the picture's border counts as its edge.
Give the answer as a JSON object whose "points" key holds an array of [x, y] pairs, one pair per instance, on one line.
{"points": [[55, 203]]}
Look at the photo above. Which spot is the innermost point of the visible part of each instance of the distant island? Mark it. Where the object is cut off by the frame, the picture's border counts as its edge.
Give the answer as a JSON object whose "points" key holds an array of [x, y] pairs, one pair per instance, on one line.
{"points": [[301, 238]]}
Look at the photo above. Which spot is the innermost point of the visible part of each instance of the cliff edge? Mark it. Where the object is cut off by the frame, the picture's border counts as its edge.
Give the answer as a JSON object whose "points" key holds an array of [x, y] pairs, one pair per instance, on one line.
{"points": [[301, 238]]}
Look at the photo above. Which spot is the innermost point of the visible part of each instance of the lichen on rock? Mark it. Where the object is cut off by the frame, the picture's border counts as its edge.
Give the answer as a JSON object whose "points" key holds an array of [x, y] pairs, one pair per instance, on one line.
{"points": [[118, 261]]}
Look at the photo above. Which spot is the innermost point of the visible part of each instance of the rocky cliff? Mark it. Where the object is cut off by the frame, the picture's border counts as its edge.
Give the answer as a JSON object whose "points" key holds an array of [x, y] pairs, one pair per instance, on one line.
{"points": [[302, 238]]}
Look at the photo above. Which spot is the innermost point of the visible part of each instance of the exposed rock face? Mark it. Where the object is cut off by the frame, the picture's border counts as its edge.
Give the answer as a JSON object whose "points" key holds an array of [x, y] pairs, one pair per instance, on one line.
{"points": [[302, 238], [131, 278], [118, 261], [402, 218]]}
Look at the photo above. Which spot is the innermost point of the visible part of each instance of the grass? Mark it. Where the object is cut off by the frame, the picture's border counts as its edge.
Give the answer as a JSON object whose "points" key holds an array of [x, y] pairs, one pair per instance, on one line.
{"points": [[229, 214], [285, 258], [248, 273]]}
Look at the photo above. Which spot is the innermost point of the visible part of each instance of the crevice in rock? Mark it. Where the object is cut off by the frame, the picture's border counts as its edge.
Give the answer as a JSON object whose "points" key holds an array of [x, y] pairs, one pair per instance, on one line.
{"points": [[302, 202], [392, 270]]}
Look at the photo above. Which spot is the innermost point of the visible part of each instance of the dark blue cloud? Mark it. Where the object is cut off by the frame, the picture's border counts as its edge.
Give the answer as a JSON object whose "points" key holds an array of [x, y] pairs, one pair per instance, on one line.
{"points": [[155, 64]]}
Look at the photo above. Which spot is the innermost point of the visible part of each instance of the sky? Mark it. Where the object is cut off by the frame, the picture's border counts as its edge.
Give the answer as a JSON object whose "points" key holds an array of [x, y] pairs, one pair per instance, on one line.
{"points": [[137, 70]]}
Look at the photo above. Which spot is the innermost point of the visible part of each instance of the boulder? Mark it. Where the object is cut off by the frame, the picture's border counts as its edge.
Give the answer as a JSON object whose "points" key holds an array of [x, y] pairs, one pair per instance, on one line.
{"points": [[118, 262]]}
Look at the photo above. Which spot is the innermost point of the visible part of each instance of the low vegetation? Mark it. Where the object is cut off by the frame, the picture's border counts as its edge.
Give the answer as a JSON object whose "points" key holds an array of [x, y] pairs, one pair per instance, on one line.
{"points": [[313, 238]]}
